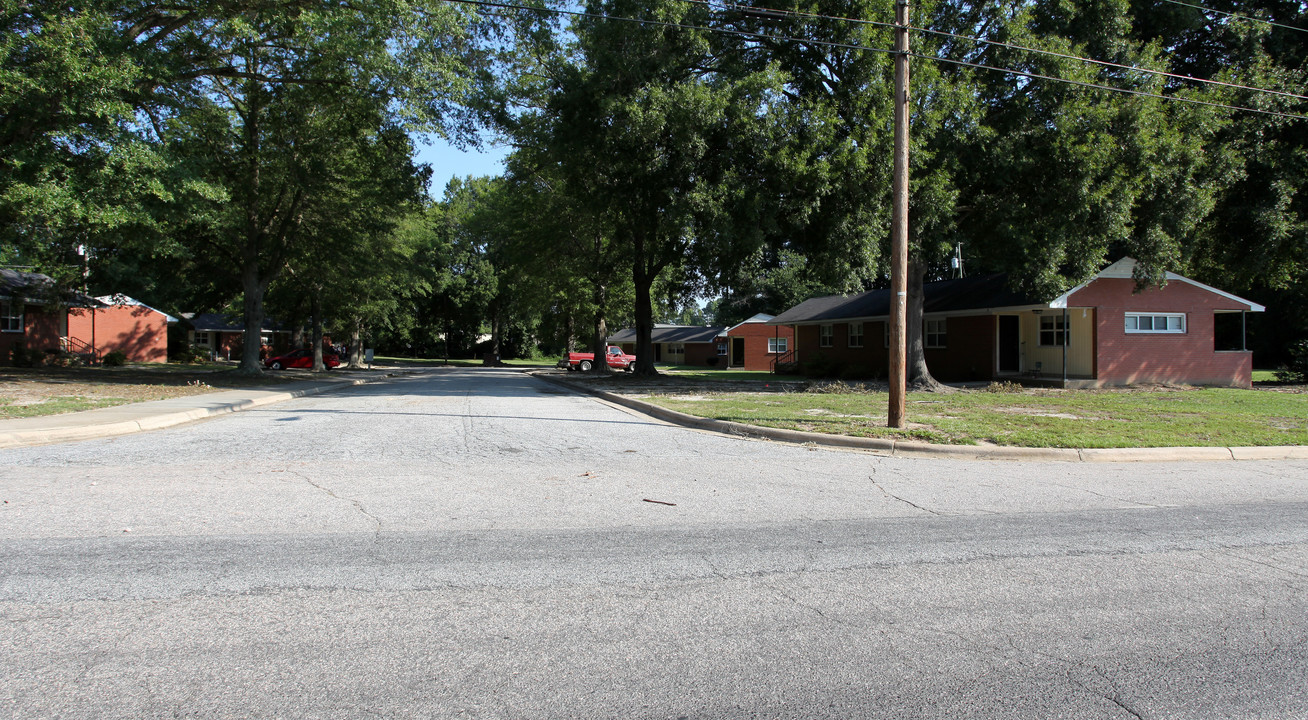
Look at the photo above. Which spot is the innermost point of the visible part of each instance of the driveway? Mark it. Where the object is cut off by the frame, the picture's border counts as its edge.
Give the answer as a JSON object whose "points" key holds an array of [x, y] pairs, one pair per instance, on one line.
{"points": [[479, 543]]}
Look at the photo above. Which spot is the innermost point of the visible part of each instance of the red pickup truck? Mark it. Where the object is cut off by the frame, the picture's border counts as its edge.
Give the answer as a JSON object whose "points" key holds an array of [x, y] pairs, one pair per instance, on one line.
{"points": [[617, 360]]}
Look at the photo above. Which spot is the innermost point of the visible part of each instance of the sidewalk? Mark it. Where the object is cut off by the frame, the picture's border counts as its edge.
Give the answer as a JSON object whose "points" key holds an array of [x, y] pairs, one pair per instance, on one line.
{"points": [[136, 417]]}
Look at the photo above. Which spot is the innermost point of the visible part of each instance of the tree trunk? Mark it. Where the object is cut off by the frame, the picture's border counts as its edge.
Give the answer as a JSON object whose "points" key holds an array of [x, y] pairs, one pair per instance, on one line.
{"points": [[918, 375], [253, 288], [356, 335], [643, 279], [600, 345], [316, 300]]}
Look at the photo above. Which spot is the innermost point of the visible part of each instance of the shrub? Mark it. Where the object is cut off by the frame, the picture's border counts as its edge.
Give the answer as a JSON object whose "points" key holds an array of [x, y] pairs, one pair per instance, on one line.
{"points": [[192, 354], [117, 358], [55, 357], [713, 361], [1297, 370], [20, 356], [821, 367], [1005, 386]]}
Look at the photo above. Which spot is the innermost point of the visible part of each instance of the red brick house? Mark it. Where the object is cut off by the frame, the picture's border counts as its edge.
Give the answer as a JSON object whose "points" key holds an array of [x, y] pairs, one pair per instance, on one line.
{"points": [[121, 324], [756, 345], [1101, 333], [678, 344], [37, 316], [224, 336], [749, 345]]}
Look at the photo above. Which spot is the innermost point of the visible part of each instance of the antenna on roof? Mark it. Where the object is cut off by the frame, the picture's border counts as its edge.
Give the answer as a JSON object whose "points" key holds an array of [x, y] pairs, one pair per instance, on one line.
{"points": [[956, 262]]}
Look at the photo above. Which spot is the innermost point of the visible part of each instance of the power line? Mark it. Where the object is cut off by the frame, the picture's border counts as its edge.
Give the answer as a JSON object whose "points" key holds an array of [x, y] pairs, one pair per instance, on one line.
{"points": [[1237, 16], [854, 46], [1011, 46]]}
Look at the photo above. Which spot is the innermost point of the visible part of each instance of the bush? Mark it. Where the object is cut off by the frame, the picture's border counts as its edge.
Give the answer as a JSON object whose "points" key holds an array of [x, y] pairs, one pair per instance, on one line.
{"points": [[192, 354], [821, 367], [1005, 386], [1297, 370], [713, 361], [117, 358], [20, 356], [54, 357]]}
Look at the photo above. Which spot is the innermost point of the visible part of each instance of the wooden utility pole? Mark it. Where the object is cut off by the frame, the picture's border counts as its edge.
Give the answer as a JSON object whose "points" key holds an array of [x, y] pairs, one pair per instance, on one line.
{"points": [[899, 226]]}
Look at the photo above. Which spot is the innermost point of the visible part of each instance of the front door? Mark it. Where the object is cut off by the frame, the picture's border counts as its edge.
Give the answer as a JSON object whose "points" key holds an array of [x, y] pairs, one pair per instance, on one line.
{"points": [[737, 352], [1010, 344]]}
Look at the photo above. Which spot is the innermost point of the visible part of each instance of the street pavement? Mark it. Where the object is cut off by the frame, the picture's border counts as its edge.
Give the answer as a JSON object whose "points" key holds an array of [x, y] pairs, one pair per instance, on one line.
{"points": [[479, 543]]}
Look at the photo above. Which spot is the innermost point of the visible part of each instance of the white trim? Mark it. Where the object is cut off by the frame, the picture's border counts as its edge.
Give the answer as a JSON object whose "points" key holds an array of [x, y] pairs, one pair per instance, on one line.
{"points": [[21, 317], [1124, 269], [1185, 322], [758, 319]]}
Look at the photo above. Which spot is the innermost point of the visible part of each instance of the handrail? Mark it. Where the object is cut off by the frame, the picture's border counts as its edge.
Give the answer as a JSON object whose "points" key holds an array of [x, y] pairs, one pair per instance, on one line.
{"points": [[80, 347], [786, 358]]}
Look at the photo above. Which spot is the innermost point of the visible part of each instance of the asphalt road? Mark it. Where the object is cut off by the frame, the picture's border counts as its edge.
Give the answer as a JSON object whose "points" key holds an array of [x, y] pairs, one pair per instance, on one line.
{"points": [[477, 543]]}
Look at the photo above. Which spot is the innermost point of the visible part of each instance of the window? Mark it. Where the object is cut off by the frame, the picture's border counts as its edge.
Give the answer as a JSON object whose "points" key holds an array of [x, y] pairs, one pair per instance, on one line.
{"points": [[777, 345], [934, 333], [722, 348], [824, 335], [856, 335], [11, 316], [676, 349], [1052, 330], [202, 338], [1155, 323]]}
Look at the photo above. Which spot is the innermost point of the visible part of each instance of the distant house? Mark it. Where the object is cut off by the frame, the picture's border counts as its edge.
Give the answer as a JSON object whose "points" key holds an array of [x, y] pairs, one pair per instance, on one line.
{"points": [[749, 345], [756, 345], [678, 344], [1101, 333], [224, 335], [121, 324], [38, 316]]}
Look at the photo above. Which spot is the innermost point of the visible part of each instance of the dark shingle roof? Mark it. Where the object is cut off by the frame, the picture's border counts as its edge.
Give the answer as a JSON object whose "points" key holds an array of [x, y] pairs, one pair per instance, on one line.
{"points": [[974, 293], [672, 334], [39, 289], [218, 322]]}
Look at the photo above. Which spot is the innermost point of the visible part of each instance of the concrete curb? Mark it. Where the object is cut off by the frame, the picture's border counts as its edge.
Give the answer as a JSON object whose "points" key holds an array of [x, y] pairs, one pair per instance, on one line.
{"points": [[158, 414], [904, 448]]}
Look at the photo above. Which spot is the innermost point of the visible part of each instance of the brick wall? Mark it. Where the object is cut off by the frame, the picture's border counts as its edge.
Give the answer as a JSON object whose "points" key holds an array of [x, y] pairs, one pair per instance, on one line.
{"points": [[138, 332], [41, 331], [1186, 358], [756, 336]]}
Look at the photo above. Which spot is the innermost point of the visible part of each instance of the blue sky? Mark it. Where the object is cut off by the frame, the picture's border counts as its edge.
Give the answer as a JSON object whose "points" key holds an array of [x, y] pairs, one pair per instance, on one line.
{"points": [[448, 161]]}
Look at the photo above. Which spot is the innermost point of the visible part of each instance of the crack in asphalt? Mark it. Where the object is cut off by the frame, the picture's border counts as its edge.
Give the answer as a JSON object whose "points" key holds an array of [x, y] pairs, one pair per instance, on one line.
{"points": [[357, 505], [889, 494]]}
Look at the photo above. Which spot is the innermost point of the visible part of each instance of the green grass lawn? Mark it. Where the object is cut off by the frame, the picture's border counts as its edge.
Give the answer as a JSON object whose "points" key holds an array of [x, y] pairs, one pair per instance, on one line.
{"points": [[1029, 418], [699, 372]]}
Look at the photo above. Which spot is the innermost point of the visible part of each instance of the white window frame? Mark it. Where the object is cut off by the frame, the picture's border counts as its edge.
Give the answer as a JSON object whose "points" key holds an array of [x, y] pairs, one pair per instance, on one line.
{"points": [[202, 339], [1132, 323], [826, 335], [722, 348], [856, 334], [934, 332], [1060, 335], [778, 345], [675, 348], [11, 321]]}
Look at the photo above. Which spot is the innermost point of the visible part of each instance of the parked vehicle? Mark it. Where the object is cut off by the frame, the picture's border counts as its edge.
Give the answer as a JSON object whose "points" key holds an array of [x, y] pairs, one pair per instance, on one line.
{"points": [[617, 360], [300, 359]]}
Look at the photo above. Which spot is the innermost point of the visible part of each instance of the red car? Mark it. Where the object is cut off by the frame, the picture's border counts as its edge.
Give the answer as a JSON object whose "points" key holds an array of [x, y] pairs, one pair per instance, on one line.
{"points": [[300, 359]]}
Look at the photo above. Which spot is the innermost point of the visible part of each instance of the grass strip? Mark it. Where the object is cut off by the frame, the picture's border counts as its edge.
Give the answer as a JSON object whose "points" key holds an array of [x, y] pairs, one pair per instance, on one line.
{"points": [[1207, 417]]}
